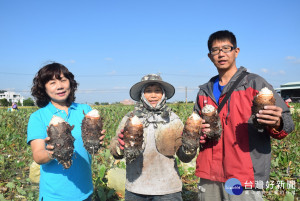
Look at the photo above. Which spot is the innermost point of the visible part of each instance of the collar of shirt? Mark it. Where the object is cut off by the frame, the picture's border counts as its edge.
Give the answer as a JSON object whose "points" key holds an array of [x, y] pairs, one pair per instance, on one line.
{"points": [[61, 113]]}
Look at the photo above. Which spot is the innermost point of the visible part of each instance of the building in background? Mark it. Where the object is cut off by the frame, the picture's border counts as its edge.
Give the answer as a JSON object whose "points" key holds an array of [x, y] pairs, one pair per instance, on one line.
{"points": [[290, 90], [127, 102], [11, 96]]}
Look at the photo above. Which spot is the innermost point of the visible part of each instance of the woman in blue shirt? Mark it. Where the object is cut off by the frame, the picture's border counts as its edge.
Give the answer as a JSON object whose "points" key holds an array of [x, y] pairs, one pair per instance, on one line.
{"points": [[54, 89]]}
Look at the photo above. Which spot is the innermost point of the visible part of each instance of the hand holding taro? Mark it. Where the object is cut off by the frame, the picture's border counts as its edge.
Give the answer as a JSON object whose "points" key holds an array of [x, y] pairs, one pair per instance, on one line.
{"points": [[131, 139], [196, 131], [205, 128], [49, 148], [60, 142], [121, 139], [270, 116], [92, 132], [264, 110]]}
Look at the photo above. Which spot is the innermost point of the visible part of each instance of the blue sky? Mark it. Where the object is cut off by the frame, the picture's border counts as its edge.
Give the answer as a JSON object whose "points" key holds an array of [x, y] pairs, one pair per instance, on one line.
{"points": [[109, 45]]}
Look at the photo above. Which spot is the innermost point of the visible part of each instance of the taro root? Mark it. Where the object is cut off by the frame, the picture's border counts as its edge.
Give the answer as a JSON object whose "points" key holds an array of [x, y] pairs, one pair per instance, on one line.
{"points": [[133, 138], [61, 138], [91, 131], [210, 114], [191, 133], [263, 98], [168, 137]]}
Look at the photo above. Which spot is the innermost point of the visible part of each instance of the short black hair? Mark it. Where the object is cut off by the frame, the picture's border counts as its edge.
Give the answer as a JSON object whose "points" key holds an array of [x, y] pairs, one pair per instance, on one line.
{"points": [[221, 36]]}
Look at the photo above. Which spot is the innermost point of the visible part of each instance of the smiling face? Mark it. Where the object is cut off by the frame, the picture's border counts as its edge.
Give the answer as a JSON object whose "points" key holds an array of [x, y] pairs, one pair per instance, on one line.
{"points": [[224, 61], [58, 89], [153, 94]]}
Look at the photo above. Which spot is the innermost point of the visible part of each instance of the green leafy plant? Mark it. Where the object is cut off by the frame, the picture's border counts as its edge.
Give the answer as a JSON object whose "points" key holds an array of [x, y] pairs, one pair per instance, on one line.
{"points": [[16, 157]]}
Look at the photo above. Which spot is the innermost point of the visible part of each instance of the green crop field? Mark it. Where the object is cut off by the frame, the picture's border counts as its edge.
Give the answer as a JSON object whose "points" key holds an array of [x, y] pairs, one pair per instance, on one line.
{"points": [[16, 158]]}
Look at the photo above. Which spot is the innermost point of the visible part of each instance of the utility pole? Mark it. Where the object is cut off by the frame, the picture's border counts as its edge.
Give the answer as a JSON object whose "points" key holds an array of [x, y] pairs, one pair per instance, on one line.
{"points": [[185, 95]]}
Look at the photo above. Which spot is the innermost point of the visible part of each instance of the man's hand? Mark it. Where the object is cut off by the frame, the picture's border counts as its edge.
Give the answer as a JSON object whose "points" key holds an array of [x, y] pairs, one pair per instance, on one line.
{"points": [[270, 116], [205, 129], [120, 139]]}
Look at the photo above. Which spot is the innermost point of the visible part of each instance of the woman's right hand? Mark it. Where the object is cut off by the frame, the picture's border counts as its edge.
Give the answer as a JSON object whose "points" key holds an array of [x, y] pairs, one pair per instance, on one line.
{"points": [[120, 139], [41, 152], [49, 148]]}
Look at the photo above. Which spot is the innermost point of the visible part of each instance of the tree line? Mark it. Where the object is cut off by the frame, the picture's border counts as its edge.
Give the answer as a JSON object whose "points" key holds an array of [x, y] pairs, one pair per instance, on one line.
{"points": [[26, 102]]}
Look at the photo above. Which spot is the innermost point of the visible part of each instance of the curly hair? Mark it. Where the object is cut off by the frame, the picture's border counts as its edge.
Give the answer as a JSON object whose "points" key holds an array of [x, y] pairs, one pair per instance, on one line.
{"points": [[44, 75]]}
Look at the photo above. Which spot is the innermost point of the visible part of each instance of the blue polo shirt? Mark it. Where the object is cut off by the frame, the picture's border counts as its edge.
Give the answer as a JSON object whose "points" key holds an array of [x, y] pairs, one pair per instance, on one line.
{"points": [[57, 183]]}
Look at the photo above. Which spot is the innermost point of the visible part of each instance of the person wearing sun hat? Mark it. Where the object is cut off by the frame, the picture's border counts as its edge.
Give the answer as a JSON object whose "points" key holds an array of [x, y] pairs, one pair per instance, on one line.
{"points": [[154, 173], [135, 91]]}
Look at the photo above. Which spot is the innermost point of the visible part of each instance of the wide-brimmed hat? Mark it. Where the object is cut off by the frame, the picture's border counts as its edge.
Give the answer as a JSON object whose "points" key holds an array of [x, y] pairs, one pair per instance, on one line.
{"points": [[135, 91]]}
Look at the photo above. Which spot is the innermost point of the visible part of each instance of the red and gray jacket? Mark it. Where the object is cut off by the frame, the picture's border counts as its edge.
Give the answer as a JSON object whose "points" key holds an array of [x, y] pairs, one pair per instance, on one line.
{"points": [[242, 152]]}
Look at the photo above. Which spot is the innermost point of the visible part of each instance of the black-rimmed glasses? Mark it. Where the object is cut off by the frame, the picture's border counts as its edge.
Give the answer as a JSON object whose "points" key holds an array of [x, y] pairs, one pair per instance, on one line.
{"points": [[225, 49]]}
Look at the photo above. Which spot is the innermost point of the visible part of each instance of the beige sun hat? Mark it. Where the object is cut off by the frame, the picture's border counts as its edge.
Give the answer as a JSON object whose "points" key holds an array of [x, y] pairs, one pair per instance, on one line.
{"points": [[135, 91]]}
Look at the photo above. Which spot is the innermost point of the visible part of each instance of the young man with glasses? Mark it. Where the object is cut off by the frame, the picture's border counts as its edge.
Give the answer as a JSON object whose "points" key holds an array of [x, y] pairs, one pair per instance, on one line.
{"points": [[243, 152]]}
